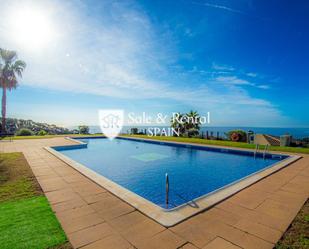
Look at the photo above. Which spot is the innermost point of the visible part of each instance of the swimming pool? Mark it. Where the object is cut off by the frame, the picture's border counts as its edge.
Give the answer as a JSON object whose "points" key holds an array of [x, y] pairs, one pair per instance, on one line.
{"points": [[140, 166]]}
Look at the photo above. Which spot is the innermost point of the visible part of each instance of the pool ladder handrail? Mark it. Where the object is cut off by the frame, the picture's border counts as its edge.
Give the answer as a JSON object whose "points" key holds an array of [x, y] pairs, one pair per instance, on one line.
{"points": [[167, 187], [265, 150], [257, 146]]}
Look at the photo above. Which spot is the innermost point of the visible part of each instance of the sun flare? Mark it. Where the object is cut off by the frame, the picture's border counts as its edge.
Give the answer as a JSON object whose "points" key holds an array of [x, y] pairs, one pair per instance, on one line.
{"points": [[31, 27]]}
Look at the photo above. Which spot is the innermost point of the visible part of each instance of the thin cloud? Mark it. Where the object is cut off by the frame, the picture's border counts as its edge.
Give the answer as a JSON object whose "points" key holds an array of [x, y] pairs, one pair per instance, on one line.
{"points": [[232, 76], [253, 75], [263, 86], [225, 8], [188, 32], [234, 80], [221, 7], [222, 67], [237, 81]]}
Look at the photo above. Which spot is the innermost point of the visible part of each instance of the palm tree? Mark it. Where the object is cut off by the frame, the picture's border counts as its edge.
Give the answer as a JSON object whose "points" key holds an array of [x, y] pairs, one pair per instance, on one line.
{"points": [[178, 125], [193, 124], [10, 69]]}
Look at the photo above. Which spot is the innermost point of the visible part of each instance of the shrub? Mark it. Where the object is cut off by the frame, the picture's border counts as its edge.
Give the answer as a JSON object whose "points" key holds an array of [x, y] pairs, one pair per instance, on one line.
{"points": [[83, 129], [193, 132], [134, 131], [237, 135], [24, 132], [42, 133]]}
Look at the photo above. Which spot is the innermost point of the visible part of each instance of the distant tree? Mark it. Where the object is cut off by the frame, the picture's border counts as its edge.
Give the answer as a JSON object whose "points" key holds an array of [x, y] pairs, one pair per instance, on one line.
{"points": [[193, 123], [10, 69], [134, 130], [83, 129], [187, 124], [75, 131], [179, 126], [24, 132], [42, 133]]}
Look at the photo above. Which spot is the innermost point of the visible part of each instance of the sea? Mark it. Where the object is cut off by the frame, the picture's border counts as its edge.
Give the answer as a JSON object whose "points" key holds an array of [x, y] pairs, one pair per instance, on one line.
{"points": [[298, 133]]}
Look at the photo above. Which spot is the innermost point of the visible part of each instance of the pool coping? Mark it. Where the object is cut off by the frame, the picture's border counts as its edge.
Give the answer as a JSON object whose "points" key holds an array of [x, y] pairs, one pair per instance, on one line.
{"points": [[171, 217]]}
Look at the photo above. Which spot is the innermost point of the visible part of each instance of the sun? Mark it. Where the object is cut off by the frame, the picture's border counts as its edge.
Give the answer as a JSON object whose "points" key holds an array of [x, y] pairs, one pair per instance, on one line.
{"points": [[31, 27]]}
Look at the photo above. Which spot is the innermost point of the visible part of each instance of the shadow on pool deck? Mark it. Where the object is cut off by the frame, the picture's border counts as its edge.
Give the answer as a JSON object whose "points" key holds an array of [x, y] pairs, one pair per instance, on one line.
{"points": [[191, 203]]}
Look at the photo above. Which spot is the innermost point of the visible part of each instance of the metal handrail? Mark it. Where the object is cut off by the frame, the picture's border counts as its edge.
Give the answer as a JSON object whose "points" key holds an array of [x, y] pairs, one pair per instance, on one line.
{"points": [[167, 187], [256, 149], [265, 150]]}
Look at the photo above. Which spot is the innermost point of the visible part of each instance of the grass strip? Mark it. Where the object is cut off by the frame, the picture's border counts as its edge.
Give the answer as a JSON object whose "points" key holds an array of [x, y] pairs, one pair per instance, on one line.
{"points": [[297, 236], [222, 143], [29, 223], [26, 218]]}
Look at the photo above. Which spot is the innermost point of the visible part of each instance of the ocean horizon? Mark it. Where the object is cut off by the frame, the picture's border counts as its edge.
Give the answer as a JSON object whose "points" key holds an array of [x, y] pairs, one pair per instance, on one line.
{"points": [[298, 133]]}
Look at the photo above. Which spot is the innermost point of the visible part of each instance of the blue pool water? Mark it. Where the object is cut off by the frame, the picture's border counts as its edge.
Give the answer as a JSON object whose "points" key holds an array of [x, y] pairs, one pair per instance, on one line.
{"points": [[141, 167]]}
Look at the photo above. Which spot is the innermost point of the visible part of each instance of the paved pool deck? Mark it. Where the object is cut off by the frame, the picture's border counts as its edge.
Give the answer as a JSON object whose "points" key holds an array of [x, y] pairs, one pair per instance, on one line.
{"points": [[93, 218]]}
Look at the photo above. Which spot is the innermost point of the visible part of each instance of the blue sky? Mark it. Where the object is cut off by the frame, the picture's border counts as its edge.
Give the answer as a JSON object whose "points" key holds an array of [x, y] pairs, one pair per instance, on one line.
{"points": [[244, 61]]}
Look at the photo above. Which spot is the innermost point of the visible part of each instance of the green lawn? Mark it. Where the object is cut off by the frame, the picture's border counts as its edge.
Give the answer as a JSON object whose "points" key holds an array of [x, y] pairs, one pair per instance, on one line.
{"points": [[26, 219], [51, 136], [16, 178], [297, 236], [223, 143], [29, 223]]}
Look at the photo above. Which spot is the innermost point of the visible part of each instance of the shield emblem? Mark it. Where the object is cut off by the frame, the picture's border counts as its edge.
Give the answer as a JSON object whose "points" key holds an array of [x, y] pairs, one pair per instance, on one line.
{"points": [[111, 122]]}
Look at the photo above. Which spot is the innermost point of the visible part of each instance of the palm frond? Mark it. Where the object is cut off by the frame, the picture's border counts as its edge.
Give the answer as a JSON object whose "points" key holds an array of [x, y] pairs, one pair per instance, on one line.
{"points": [[20, 63], [18, 67], [7, 55], [10, 69], [12, 83]]}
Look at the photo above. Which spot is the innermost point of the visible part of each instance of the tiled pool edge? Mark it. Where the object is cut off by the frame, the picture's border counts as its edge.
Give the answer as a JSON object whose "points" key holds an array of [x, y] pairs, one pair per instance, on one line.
{"points": [[164, 217]]}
